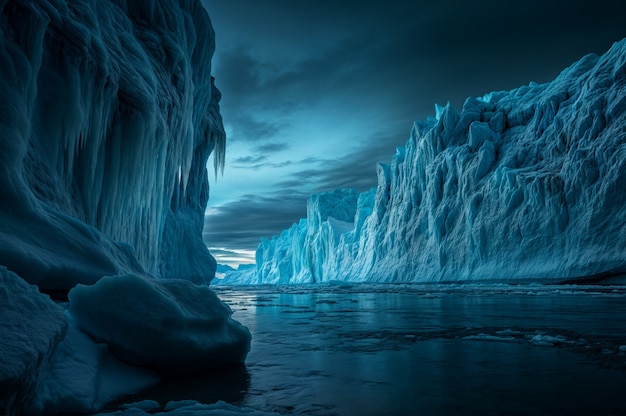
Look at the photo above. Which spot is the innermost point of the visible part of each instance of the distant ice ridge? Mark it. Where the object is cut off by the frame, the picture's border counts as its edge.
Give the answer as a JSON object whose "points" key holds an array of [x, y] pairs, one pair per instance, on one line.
{"points": [[108, 117], [524, 185]]}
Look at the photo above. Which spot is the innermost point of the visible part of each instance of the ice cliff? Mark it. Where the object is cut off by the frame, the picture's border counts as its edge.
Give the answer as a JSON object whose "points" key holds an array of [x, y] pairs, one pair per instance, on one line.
{"points": [[108, 116], [524, 185]]}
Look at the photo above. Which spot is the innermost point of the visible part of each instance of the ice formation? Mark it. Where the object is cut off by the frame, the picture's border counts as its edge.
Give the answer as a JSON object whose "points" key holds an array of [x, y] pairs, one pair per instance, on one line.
{"points": [[171, 325], [32, 327], [524, 185], [108, 117], [82, 376]]}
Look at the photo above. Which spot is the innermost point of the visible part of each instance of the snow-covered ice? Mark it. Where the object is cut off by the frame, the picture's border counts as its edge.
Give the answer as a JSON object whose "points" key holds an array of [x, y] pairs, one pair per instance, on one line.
{"points": [[171, 325], [521, 185]]}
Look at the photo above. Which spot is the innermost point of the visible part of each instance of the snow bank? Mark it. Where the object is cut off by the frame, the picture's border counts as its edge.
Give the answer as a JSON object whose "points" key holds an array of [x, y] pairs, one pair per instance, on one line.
{"points": [[107, 119], [172, 326], [524, 185], [31, 327]]}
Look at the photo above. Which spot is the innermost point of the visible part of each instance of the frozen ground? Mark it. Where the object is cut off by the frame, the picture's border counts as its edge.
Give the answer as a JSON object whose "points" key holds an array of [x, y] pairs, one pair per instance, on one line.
{"points": [[417, 349]]}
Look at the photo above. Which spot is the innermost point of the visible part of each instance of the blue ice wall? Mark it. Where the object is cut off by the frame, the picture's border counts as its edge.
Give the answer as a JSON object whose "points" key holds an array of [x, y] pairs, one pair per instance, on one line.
{"points": [[107, 119], [521, 185]]}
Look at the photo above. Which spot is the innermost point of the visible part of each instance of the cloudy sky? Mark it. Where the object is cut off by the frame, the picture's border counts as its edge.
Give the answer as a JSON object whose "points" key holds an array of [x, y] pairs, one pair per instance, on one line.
{"points": [[316, 92]]}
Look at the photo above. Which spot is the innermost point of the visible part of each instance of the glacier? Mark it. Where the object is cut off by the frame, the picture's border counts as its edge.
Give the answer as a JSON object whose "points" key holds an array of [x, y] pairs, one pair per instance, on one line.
{"points": [[519, 186], [108, 117]]}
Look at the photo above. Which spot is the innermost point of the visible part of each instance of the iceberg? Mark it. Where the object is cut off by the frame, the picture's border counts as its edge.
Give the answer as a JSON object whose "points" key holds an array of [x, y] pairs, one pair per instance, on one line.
{"points": [[108, 116], [519, 186]]}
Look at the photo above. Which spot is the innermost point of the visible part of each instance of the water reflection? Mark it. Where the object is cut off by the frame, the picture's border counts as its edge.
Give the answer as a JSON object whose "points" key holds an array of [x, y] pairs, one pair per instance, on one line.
{"points": [[434, 351]]}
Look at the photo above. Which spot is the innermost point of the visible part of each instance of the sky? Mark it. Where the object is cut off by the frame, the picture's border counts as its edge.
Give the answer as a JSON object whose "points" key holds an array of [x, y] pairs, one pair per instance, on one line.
{"points": [[316, 93]]}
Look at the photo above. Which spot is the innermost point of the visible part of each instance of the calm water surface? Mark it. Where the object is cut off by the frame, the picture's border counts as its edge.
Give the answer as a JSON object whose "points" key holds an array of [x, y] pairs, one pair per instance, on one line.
{"points": [[424, 350]]}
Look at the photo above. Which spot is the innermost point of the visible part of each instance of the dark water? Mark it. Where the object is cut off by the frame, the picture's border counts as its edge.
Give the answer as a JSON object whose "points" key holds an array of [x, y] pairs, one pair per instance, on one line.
{"points": [[425, 350]]}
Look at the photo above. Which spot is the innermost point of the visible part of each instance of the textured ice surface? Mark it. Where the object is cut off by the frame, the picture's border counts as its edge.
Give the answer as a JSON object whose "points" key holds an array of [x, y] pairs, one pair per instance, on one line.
{"points": [[519, 185], [83, 376], [170, 325], [107, 118], [31, 327]]}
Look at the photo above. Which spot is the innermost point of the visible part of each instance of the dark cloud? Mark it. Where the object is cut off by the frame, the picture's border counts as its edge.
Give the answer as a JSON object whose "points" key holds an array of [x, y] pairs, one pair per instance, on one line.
{"points": [[261, 162], [273, 147], [241, 224], [259, 166], [353, 170], [250, 160], [249, 129], [435, 51], [220, 252]]}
